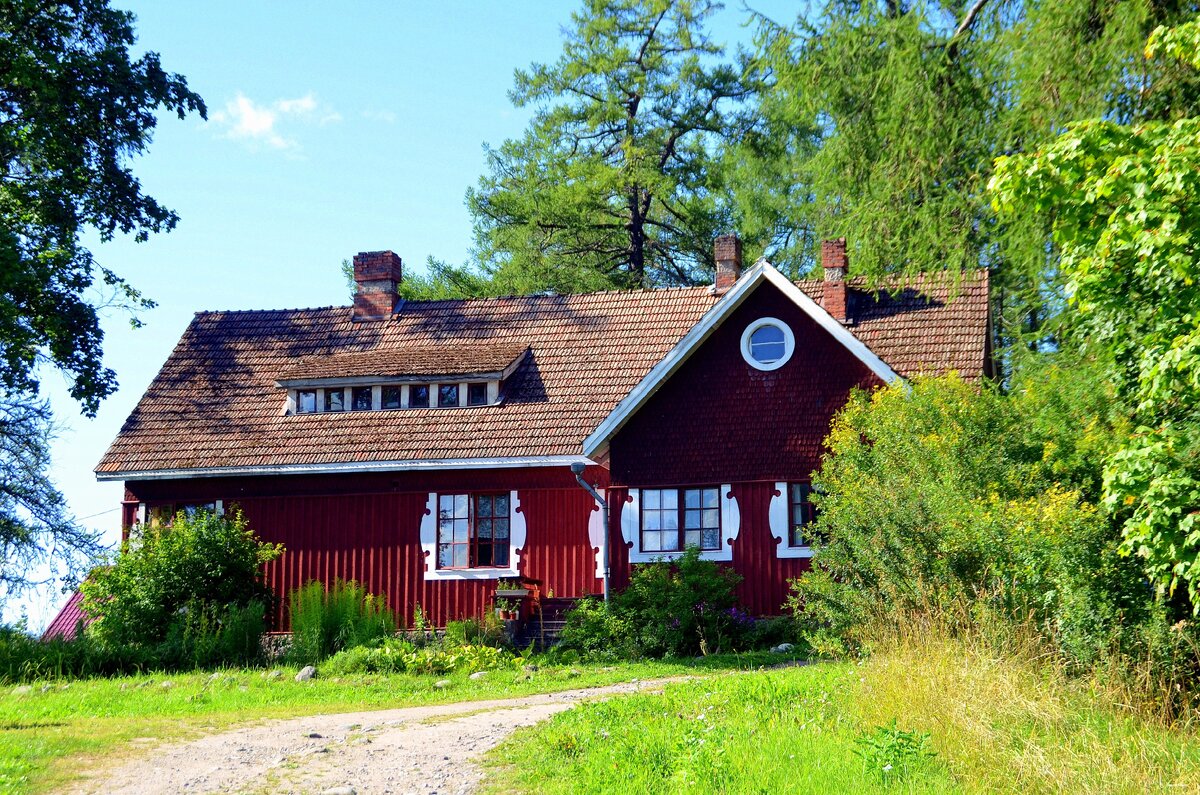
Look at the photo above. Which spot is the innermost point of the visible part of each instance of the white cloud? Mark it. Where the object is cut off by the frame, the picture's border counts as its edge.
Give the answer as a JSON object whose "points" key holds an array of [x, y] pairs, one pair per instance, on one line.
{"points": [[244, 119], [385, 116]]}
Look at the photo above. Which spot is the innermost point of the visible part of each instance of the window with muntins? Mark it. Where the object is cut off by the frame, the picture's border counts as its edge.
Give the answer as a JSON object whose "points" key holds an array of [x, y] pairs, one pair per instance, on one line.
{"points": [[802, 513], [670, 525], [473, 531]]}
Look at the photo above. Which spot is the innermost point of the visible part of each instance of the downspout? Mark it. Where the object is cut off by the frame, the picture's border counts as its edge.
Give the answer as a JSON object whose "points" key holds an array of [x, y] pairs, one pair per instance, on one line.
{"points": [[577, 469]]}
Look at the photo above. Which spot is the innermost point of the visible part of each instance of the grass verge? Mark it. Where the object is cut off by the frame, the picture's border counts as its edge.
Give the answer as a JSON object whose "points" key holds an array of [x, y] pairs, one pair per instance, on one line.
{"points": [[996, 721], [49, 734]]}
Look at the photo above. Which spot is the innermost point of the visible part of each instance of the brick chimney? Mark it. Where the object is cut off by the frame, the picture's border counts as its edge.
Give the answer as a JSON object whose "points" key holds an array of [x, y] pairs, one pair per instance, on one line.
{"points": [[377, 276], [836, 264], [727, 251]]}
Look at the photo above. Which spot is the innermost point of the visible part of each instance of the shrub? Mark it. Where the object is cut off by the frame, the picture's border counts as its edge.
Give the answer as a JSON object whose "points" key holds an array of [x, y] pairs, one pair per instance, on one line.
{"points": [[183, 592], [396, 655], [326, 621], [941, 493], [670, 608], [483, 631]]}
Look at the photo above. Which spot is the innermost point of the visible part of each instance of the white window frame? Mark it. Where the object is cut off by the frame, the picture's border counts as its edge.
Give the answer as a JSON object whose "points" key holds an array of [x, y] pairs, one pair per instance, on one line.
{"points": [[779, 516], [631, 528], [429, 540], [789, 344]]}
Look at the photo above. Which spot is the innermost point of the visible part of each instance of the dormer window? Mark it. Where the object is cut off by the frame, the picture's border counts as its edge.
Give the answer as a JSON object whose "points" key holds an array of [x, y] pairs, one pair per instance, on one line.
{"points": [[444, 377]]}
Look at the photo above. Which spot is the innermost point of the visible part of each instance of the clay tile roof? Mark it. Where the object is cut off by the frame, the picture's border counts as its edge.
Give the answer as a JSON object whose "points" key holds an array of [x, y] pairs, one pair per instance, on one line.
{"points": [[216, 403], [409, 360], [927, 325]]}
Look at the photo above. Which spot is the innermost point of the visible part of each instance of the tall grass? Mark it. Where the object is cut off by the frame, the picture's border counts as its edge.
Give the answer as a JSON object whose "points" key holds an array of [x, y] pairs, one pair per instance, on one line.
{"points": [[1007, 714], [326, 621]]}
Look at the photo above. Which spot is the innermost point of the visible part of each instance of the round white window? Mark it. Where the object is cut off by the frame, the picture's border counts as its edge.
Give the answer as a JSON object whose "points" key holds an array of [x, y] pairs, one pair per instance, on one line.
{"points": [[767, 344]]}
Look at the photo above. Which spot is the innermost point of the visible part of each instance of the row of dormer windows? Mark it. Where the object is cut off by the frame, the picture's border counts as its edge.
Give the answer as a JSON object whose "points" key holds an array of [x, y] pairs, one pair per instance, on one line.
{"points": [[394, 396]]}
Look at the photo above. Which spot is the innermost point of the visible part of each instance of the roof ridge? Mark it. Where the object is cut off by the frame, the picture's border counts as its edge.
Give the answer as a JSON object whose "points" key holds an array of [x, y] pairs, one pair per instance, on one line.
{"points": [[473, 299]]}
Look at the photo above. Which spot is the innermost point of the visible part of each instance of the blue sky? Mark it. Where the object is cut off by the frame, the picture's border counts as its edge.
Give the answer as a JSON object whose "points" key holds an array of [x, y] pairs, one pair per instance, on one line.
{"points": [[333, 128]]}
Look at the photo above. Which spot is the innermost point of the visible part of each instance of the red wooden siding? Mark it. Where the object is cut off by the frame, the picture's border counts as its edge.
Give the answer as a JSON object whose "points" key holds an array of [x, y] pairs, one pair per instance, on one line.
{"points": [[719, 420], [765, 577]]}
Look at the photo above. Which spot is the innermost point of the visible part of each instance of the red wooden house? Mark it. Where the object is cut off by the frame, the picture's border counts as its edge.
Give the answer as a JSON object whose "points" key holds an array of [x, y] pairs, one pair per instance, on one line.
{"points": [[425, 448]]}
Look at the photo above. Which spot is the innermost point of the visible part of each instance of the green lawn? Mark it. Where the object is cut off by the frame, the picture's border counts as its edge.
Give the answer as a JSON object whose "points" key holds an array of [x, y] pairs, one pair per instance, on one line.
{"points": [[48, 734], [774, 731], [995, 722]]}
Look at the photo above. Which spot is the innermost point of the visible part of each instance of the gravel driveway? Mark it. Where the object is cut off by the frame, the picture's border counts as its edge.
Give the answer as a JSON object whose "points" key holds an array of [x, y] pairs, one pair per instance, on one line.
{"points": [[412, 750]]}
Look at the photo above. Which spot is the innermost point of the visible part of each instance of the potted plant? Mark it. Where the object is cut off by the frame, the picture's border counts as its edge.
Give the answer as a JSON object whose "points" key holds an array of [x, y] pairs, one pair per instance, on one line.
{"points": [[510, 588], [507, 609]]}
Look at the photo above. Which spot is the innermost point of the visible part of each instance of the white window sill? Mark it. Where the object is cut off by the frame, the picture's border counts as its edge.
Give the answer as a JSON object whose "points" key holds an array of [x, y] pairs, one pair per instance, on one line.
{"points": [[719, 555], [471, 574]]}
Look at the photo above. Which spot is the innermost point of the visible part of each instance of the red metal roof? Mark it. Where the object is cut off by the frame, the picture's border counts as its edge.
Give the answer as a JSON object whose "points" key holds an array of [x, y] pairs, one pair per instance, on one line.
{"points": [[215, 402], [69, 620]]}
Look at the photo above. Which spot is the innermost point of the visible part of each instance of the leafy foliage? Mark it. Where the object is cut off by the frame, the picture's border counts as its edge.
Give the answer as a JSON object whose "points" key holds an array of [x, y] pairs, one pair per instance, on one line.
{"points": [[879, 122], [398, 656], [35, 526], [892, 754], [327, 620], [1121, 199], [675, 608], [948, 494], [178, 581], [74, 107], [613, 184]]}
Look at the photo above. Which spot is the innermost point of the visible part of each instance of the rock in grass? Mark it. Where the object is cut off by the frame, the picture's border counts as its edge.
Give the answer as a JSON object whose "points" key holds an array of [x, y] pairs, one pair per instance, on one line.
{"points": [[274, 674], [782, 648], [478, 675], [574, 672], [167, 684], [442, 684], [23, 690], [306, 673], [343, 790]]}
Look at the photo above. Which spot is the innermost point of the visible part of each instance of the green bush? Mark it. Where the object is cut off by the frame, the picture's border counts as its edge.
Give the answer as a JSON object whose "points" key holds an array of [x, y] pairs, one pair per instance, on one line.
{"points": [[676, 608], [941, 493], [183, 594], [484, 631], [396, 655], [326, 621]]}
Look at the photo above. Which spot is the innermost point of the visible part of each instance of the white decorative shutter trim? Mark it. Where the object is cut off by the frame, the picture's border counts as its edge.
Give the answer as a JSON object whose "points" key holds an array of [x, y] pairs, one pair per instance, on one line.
{"points": [[596, 530], [780, 523]]}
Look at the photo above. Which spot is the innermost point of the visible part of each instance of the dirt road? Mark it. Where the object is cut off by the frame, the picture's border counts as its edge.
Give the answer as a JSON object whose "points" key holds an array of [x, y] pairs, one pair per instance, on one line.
{"points": [[413, 750]]}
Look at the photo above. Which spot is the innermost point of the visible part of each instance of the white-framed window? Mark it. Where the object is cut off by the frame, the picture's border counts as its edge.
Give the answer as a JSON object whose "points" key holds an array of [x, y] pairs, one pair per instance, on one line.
{"points": [[790, 517], [662, 523], [768, 344], [674, 519], [472, 535], [473, 530]]}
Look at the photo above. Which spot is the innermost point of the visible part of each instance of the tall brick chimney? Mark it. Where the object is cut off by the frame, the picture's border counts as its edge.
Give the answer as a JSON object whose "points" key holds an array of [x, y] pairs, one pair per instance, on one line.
{"points": [[377, 276], [836, 264], [727, 251]]}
